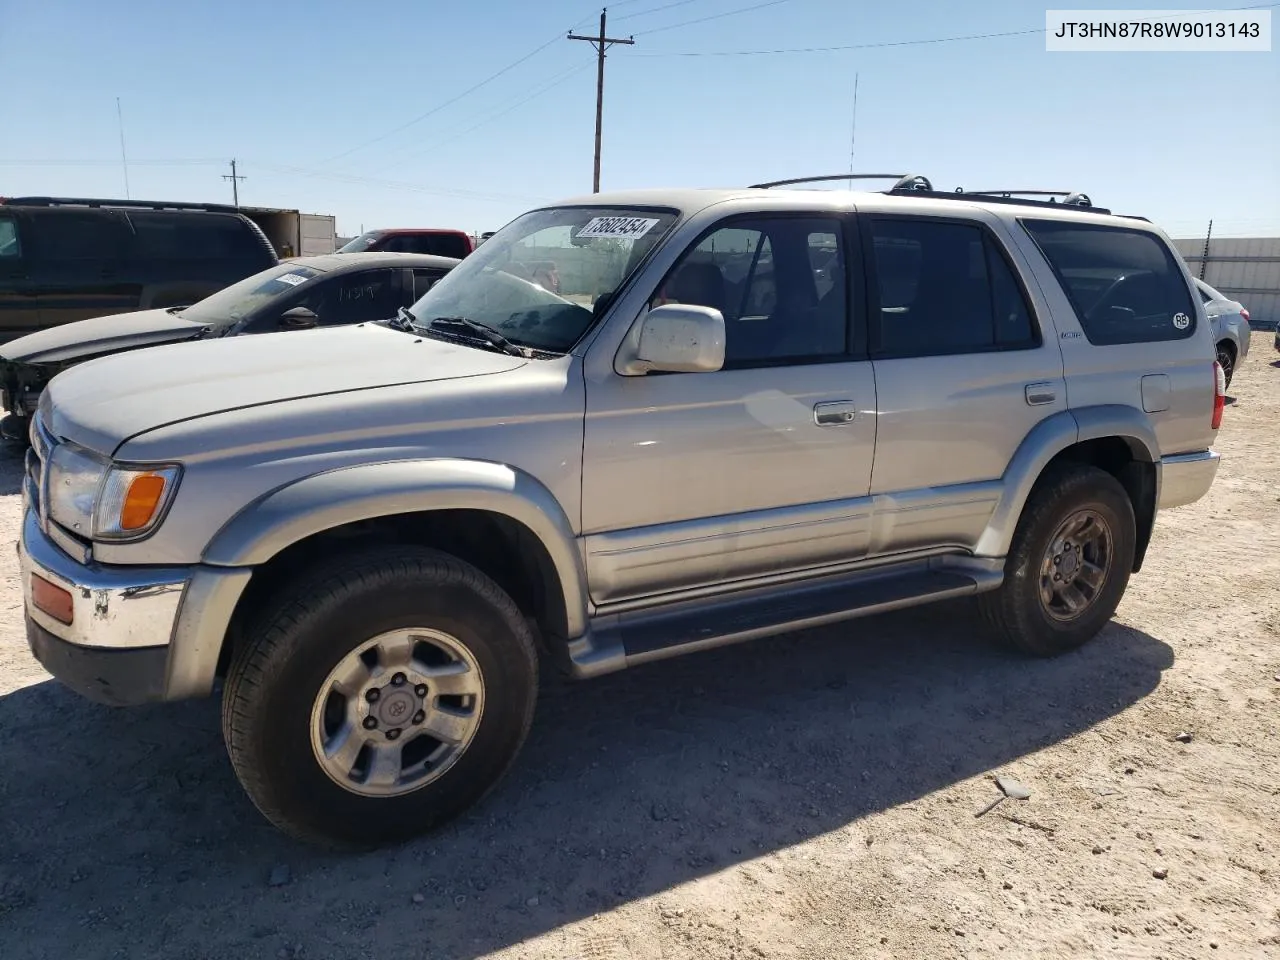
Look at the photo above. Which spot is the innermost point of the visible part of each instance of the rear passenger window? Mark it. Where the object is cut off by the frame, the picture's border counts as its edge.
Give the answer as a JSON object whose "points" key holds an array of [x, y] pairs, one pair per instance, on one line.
{"points": [[1125, 285], [187, 236], [424, 280], [944, 287]]}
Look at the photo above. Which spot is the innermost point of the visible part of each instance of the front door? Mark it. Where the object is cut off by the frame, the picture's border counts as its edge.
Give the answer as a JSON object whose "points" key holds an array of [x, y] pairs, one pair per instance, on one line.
{"points": [[695, 479], [78, 266]]}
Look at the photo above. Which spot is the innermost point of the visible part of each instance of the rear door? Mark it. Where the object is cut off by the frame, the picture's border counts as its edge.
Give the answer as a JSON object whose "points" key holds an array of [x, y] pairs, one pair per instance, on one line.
{"points": [[77, 272], [19, 306], [966, 364], [418, 280]]}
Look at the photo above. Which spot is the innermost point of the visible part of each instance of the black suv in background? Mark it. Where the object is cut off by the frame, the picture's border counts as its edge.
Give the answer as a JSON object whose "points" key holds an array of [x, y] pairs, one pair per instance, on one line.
{"points": [[64, 260]]}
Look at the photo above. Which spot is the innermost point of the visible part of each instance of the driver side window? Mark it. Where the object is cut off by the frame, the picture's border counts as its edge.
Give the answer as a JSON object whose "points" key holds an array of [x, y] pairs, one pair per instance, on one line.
{"points": [[780, 283]]}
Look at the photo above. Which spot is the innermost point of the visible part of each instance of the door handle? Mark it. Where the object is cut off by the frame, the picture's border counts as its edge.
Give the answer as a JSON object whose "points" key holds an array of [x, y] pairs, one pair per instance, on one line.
{"points": [[1039, 394], [833, 413]]}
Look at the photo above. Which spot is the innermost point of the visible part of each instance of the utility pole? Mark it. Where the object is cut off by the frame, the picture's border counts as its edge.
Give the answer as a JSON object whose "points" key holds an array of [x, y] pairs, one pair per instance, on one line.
{"points": [[235, 183], [124, 157], [601, 43]]}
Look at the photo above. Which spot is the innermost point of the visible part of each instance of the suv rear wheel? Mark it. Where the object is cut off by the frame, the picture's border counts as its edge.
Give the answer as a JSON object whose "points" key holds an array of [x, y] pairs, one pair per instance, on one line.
{"points": [[379, 696], [1069, 562]]}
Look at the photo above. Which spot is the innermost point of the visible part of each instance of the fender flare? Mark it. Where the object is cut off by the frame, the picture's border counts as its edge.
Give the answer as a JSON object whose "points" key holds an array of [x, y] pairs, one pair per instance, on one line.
{"points": [[1047, 439], [323, 501]]}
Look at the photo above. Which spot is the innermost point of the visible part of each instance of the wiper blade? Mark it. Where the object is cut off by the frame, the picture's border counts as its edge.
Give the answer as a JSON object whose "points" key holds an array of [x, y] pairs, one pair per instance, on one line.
{"points": [[476, 331], [403, 320]]}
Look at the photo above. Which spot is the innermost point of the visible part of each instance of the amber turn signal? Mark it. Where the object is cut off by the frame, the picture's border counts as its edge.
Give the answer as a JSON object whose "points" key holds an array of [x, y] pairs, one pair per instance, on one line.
{"points": [[141, 501]]}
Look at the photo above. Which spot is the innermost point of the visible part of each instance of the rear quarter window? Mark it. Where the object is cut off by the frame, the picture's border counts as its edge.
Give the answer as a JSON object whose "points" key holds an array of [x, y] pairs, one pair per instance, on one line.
{"points": [[1125, 285], [189, 236]]}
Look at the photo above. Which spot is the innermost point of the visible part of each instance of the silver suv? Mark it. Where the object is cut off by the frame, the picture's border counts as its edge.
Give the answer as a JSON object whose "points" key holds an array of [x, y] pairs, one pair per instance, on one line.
{"points": [[739, 413]]}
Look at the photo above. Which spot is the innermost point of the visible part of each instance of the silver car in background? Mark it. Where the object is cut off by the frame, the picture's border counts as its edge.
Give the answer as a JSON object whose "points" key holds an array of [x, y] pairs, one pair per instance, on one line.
{"points": [[1230, 322]]}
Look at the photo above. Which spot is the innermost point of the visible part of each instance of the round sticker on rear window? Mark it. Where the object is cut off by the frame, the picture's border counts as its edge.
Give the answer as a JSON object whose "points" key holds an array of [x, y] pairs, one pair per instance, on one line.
{"points": [[1181, 321]]}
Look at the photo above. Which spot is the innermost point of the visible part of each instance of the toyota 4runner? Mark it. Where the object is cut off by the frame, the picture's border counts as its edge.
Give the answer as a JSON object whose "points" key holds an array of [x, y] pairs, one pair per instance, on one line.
{"points": [[741, 412]]}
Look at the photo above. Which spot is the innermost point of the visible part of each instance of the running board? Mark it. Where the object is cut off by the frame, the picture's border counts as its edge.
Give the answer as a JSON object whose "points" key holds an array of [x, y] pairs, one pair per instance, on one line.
{"points": [[620, 640]]}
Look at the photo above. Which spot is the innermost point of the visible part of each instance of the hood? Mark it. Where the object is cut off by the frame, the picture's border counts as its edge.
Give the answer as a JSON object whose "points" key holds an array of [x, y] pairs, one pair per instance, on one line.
{"points": [[104, 402], [91, 338]]}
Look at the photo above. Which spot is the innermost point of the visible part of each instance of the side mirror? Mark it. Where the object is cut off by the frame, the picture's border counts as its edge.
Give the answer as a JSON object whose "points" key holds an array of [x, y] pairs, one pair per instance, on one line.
{"points": [[299, 318], [679, 338]]}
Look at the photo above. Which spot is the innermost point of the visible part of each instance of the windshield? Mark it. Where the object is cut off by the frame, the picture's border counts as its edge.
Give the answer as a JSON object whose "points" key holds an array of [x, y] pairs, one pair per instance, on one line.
{"points": [[538, 280], [237, 301], [360, 244]]}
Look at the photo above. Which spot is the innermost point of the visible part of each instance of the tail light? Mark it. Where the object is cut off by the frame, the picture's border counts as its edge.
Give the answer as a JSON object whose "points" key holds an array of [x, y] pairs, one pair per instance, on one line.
{"points": [[1244, 313], [1219, 394]]}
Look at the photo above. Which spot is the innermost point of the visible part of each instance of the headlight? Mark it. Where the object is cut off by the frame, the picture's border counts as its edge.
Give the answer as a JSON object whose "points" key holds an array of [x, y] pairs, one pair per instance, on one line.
{"points": [[103, 501], [74, 478]]}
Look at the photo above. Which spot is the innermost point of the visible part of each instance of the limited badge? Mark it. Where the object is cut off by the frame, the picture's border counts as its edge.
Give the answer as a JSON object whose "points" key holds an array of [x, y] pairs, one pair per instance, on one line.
{"points": [[1181, 321]]}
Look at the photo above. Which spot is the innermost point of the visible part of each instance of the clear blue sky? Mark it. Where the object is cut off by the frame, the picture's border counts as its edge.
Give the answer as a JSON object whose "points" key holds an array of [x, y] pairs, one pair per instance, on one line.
{"points": [[288, 87]]}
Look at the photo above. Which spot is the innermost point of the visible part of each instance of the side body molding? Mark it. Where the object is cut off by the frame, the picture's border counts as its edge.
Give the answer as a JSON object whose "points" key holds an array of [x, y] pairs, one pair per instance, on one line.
{"points": [[367, 491], [1045, 441]]}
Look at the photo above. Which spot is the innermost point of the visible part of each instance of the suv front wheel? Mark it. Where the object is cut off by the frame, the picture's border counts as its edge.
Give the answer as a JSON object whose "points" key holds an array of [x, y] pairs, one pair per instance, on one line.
{"points": [[378, 696], [1069, 562]]}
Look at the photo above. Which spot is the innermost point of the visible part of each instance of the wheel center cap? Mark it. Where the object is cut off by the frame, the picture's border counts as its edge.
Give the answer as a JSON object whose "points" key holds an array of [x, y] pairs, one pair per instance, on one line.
{"points": [[1070, 561], [395, 708]]}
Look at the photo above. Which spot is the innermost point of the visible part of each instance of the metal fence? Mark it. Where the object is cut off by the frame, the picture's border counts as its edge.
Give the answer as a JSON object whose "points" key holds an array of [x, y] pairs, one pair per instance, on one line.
{"points": [[1244, 268]]}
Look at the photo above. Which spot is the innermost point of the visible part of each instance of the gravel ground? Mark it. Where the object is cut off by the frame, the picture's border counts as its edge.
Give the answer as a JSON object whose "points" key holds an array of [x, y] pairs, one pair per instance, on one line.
{"points": [[811, 796]]}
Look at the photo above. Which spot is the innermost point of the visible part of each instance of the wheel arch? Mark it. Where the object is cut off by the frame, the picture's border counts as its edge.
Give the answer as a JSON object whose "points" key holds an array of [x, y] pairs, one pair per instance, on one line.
{"points": [[498, 518], [1113, 437]]}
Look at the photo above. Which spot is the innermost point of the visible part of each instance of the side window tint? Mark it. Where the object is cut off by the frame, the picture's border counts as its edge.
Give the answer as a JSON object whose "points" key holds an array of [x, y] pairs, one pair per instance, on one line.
{"points": [[9, 246], [1125, 285], [164, 235], [780, 284], [945, 288], [73, 235], [355, 298], [424, 280]]}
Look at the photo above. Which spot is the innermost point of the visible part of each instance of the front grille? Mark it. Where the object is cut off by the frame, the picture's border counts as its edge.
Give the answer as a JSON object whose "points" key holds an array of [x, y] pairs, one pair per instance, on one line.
{"points": [[42, 443]]}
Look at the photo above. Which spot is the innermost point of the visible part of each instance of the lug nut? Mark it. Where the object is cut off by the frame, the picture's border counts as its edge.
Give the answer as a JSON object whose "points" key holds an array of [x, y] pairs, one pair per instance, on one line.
{"points": [[373, 695], [370, 722], [392, 734], [420, 689], [419, 717], [398, 680]]}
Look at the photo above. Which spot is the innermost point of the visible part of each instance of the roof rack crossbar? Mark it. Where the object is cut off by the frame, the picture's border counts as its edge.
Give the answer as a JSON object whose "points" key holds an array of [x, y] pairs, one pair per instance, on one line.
{"points": [[902, 181], [1070, 197]]}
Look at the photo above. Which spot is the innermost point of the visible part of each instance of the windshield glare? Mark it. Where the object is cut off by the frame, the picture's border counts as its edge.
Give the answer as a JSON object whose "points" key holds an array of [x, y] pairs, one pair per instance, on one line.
{"points": [[537, 281], [360, 244], [237, 301]]}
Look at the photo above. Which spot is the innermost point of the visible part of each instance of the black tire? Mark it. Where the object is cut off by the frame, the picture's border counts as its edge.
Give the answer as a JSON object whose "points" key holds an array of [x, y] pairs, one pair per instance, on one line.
{"points": [[1016, 611], [1227, 360], [317, 620]]}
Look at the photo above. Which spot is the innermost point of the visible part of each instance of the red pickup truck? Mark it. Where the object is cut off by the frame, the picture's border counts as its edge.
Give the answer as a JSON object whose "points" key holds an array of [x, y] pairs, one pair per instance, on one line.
{"points": [[430, 240]]}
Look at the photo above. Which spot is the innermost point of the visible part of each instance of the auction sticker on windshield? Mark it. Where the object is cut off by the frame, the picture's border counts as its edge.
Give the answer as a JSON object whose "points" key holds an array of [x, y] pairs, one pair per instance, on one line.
{"points": [[292, 279], [618, 228]]}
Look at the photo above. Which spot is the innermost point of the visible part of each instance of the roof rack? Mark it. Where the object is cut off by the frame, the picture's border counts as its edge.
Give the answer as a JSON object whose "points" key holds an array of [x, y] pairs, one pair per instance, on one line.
{"points": [[124, 204], [1069, 197], [903, 181]]}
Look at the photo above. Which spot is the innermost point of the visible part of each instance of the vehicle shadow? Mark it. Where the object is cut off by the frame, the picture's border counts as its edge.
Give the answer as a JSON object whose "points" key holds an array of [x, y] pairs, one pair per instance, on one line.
{"points": [[127, 835]]}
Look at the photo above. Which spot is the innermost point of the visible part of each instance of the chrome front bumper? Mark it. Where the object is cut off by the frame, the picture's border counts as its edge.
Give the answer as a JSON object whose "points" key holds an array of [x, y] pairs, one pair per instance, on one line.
{"points": [[137, 634], [1186, 477], [113, 607]]}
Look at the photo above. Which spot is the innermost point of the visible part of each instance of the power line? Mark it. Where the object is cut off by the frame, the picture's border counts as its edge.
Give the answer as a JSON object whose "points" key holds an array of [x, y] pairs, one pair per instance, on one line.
{"points": [[210, 161], [665, 6], [396, 184], [714, 16], [447, 103], [458, 133], [852, 46]]}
